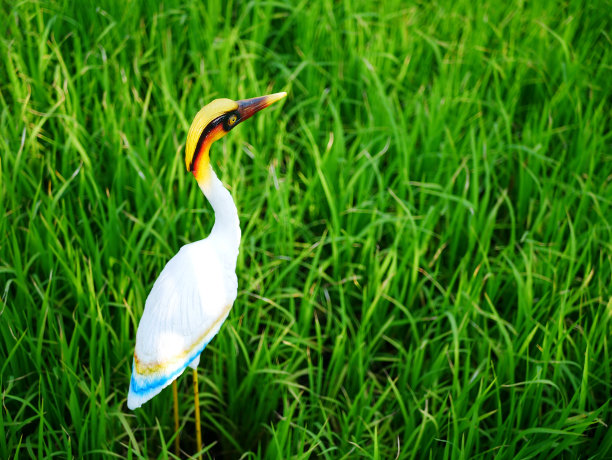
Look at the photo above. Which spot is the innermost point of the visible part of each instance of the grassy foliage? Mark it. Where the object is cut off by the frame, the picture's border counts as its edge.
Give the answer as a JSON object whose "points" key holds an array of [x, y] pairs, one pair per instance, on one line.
{"points": [[426, 261]]}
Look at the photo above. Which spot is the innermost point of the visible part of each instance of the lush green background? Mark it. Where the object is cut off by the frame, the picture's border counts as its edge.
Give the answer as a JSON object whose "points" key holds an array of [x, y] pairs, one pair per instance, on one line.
{"points": [[426, 265]]}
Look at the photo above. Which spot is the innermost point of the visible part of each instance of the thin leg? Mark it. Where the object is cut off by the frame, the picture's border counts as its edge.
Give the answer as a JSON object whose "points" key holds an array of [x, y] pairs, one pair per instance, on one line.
{"points": [[197, 410], [177, 446]]}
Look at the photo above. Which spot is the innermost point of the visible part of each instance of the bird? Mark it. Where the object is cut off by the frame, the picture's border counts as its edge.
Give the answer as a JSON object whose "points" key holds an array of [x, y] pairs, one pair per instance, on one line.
{"points": [[196, 290]]}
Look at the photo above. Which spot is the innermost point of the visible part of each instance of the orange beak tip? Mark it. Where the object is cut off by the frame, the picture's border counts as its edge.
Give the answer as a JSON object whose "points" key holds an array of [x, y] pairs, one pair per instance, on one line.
{"points": [[278, 96], [248, 107]]}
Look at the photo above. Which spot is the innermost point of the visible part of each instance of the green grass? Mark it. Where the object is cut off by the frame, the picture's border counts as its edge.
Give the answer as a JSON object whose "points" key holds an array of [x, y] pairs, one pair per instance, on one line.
{"points": [[426, 262]]}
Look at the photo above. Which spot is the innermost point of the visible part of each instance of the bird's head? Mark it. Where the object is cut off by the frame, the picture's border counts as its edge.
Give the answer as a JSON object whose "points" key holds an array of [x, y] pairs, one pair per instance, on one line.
{"points": [[213, 122]]}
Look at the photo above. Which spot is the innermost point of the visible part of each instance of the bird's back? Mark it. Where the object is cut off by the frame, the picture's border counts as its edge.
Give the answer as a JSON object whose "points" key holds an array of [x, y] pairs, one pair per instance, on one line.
{"points": [[183, 312]]}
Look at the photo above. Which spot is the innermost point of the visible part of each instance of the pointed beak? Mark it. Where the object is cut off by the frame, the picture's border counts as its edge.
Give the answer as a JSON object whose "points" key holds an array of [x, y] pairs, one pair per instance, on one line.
{"points": [[249, 107]]}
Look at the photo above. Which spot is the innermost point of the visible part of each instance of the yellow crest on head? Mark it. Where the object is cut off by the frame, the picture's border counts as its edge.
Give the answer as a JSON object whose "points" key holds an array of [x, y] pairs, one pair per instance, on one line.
{"points": [[208, 113]]}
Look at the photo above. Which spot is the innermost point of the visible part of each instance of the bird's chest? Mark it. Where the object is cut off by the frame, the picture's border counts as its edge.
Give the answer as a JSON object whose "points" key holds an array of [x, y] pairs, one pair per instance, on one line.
{"points": [[215, 272]]}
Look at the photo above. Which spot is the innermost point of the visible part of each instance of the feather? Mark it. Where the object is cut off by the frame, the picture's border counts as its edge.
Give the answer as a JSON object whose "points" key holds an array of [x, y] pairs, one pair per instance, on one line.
{"points": [[185, 309]]}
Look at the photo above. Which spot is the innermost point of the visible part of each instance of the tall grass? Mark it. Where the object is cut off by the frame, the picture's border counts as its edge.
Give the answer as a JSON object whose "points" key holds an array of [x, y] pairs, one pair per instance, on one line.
{"points": [[426, 259]]}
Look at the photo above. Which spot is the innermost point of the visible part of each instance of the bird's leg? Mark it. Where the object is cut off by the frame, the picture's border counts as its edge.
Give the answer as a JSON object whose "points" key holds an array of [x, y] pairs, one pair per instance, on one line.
{"points": [[177, 447], [197, 410]]}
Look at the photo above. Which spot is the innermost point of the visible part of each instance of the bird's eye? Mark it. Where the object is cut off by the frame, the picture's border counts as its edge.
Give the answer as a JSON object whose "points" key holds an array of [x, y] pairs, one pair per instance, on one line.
{"points": [[232, 120]]}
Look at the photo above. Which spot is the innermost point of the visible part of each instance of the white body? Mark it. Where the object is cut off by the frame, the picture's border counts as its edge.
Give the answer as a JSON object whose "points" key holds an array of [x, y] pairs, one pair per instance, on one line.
{"points": [[188, 303]]}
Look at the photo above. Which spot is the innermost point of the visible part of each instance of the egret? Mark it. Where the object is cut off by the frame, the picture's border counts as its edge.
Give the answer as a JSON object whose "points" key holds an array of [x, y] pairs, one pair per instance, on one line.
{"points": [[195, 291]]}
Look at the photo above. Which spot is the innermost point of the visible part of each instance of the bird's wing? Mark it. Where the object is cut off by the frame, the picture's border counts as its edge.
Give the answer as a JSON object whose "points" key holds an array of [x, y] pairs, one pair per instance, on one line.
{"points": [[184, 311]]}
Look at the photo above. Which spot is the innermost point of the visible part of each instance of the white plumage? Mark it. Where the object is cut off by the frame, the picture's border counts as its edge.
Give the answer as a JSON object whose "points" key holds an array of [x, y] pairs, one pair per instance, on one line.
{"points": [[188, 303]]}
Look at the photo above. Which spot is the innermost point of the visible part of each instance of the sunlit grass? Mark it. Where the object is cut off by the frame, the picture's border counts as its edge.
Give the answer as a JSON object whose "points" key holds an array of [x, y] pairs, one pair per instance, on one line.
{"points": [[426, 259]]}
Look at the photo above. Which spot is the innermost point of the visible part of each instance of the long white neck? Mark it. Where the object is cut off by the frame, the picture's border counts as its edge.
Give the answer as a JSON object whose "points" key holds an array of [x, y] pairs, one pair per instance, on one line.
{"points": [[226, 231]]}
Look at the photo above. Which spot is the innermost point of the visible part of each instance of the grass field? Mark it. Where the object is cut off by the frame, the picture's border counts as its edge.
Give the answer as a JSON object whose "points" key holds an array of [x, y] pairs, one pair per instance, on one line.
{"points": [[426, 262]]}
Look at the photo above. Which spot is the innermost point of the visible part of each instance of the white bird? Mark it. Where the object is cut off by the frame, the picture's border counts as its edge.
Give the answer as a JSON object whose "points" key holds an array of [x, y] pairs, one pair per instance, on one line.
{"points": [[196, 289]]}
